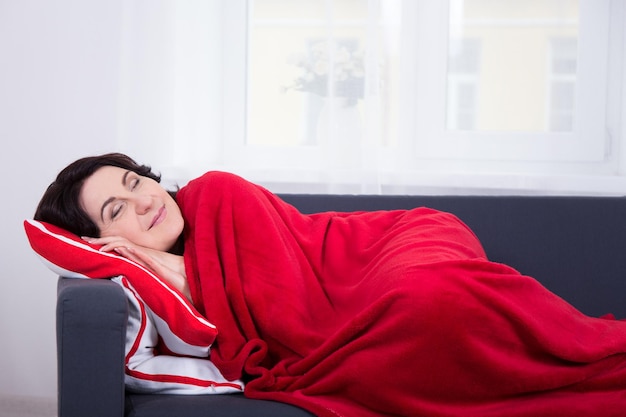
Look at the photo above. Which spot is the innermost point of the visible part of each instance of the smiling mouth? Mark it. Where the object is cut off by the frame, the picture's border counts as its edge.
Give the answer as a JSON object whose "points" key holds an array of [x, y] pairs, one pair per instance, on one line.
{"points": [[160, 216]]}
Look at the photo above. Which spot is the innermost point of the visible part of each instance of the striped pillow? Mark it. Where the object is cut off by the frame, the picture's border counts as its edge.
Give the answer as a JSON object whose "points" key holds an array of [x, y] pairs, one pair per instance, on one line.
{"points": [[182, 330]]}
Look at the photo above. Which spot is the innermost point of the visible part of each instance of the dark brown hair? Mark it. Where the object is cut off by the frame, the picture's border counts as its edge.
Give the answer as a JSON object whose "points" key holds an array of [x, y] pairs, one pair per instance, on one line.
{"points": [[60, 204]]}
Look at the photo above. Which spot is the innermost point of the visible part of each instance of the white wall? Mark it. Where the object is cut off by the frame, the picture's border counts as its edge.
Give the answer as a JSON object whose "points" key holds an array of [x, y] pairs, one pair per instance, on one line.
{"points": [[59, 65]]}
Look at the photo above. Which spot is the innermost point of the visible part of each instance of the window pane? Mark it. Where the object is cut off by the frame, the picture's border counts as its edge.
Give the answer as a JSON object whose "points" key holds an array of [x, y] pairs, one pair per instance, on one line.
{"points": [[311, 58], [512, 53], [293, 52]]}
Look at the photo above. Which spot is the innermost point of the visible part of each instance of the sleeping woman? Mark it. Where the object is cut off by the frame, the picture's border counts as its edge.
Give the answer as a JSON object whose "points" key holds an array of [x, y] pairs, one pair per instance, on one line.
{"points": [[386, 313]]}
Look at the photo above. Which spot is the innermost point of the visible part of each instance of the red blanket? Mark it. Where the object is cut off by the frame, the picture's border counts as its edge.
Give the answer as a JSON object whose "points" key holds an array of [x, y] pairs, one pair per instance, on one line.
{"points": [[386, 313]]}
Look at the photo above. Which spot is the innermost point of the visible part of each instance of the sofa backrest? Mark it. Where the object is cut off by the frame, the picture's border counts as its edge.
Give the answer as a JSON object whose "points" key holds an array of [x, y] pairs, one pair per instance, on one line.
{"points": [[575, 246]]}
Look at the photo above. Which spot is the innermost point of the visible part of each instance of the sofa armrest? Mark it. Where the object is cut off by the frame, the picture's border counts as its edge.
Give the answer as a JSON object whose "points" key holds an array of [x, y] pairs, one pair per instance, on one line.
{"points": [[91, 332]]}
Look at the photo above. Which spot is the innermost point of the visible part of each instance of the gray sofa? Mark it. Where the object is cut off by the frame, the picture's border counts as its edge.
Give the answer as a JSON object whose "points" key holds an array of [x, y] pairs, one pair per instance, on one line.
{"points": [[574, 245]]}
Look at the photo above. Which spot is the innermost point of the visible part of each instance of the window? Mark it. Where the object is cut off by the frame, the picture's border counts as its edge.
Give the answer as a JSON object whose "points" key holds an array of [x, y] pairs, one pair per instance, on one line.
{"points": [[381, 95], [512, 110]]}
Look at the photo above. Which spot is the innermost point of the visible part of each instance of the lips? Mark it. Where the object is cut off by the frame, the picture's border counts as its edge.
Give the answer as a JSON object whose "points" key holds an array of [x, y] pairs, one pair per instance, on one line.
{"points": [[158, 219]]}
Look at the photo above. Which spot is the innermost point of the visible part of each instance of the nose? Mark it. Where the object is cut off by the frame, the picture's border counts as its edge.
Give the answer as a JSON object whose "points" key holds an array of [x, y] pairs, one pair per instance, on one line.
{"points": [[142, 203]]}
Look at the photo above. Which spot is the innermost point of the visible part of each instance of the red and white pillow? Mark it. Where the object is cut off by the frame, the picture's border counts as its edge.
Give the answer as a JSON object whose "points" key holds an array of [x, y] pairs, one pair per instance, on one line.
{"points": [[158, 313]]}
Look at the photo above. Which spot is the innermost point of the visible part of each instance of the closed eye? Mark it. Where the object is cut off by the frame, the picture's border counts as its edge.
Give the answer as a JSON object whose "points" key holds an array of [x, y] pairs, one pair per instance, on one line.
{"points": [[131, 180], [134, 183], [116, 210]]}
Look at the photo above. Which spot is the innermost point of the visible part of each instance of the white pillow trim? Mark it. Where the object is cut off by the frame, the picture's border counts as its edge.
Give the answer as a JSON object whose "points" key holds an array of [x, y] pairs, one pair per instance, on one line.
{"points": [[66, 273]]}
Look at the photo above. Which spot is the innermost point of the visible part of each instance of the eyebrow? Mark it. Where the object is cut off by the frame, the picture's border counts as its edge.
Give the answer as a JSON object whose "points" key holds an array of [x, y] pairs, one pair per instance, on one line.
{"points": [[111, 199]]}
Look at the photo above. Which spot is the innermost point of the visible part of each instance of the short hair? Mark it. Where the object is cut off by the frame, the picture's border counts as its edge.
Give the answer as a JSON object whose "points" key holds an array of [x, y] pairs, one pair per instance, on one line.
{"points": [[60, 204]]}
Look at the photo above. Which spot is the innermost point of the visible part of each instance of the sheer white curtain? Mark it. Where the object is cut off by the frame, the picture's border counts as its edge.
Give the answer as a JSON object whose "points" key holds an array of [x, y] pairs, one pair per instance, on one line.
{"points": [[317, 94], [379, 96]]}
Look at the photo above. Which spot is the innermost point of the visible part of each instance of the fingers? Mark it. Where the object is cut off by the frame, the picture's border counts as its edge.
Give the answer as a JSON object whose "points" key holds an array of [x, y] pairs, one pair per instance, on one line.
{"points": [[103, 240], [142, 258], [129, 253], [155, 264], [109, 243], [138, 256]]}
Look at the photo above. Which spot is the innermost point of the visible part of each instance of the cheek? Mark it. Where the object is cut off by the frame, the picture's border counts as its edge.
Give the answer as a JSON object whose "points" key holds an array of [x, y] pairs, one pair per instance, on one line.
{"points": [[173, 231], [176, 228], [177, 217], [181, 223]]}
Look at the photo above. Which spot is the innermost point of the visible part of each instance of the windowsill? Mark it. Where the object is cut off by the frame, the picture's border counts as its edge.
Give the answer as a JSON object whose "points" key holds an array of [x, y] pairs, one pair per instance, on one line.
{"points": [[513, 184], [426, 183]]}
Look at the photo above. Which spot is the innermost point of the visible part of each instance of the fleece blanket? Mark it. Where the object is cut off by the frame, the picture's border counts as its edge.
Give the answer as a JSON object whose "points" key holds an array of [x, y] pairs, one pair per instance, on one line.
{"points": [[394, 313]]}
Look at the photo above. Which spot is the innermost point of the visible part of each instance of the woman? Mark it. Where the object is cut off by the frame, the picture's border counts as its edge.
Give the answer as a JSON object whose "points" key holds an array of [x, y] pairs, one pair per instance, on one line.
{"points": [[115, 202], [354, 314]]}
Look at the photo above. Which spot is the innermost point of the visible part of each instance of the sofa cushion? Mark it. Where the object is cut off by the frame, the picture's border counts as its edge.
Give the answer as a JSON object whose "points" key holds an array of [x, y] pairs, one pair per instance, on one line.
{"points": [[138, 405]]}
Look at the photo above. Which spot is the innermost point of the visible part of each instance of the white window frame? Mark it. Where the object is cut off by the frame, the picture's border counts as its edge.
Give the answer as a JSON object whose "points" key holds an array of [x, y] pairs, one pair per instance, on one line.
{"points": [[586, 143], [431, 139]]}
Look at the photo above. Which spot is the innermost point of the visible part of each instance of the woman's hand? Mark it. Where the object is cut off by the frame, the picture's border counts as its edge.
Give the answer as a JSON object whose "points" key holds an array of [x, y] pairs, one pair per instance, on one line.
{"points": [[167, 266]]}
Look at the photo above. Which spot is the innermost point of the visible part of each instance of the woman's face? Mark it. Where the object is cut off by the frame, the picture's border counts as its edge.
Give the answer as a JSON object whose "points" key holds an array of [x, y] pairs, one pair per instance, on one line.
{"points": [[123, 203]]}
